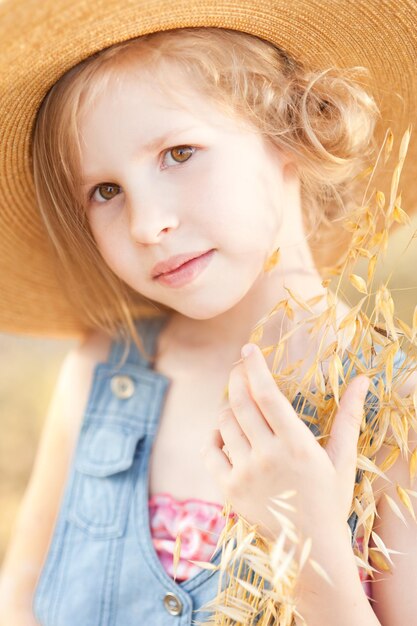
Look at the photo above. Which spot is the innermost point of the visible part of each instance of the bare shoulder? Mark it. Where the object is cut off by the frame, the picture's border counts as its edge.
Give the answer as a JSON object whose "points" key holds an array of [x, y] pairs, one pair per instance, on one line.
{"points": [[40, 503], [75, 378], [91, 349], [69, 398]]}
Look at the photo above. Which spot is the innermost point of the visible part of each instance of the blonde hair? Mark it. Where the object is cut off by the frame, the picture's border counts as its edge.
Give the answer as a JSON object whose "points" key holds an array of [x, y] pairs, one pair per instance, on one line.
{"points": [[325, 119]]}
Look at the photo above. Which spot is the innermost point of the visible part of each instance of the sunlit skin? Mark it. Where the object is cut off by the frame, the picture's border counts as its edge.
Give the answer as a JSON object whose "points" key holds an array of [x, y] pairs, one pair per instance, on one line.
{"points": [[239, 195]]}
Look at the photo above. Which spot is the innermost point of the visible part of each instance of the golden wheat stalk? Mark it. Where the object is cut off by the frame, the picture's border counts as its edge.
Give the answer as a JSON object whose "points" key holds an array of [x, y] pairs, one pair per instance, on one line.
{"points": [[257, 578]]}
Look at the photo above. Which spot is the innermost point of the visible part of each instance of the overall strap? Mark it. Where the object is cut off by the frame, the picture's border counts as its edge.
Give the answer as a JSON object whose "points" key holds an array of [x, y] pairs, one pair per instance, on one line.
{"points": [[148, 329]]}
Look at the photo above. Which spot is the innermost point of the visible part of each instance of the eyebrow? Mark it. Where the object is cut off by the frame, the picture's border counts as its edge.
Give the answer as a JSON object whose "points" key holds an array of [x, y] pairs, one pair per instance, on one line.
{"points": [[158, 141], [152, 145]]}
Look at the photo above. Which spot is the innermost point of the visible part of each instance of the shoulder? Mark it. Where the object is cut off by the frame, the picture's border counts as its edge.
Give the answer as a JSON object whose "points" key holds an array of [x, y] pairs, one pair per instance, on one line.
{"points": [[40, 505], [75, 378], [92, 348]]}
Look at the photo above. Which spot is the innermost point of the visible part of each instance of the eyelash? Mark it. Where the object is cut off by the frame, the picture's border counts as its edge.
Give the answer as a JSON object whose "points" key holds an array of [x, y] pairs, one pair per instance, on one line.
{"points": [[94, 189]]}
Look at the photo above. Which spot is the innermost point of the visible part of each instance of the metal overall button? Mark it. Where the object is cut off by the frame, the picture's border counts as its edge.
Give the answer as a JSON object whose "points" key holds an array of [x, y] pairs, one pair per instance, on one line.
{"points": [[172, 604], [122, 386]]}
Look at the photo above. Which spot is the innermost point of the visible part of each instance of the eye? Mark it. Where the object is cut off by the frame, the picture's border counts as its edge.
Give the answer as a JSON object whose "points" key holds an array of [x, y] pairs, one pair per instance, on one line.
{"points": [[105, 191], [180, 154]]}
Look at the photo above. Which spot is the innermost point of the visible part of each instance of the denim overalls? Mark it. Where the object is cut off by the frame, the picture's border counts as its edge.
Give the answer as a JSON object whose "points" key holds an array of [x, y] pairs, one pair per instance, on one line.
{"points": [[101, 568]]}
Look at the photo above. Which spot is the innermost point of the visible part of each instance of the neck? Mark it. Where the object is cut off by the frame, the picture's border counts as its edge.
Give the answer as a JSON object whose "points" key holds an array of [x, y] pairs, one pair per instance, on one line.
{"points": [[226, 333]]}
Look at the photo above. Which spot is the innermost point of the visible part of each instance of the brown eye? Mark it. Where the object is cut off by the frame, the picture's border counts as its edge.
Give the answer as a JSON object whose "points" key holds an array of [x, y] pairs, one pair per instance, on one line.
{"points": [[105, 191], [180, 154]]}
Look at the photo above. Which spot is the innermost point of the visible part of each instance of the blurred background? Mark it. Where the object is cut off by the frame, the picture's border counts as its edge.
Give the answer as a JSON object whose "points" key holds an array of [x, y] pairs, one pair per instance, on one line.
{"points": [[29, 368]]}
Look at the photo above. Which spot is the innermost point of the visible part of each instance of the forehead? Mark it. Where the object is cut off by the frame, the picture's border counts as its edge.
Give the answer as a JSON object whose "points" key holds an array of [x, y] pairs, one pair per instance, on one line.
{"points": [[154, 92], [138, 113]]}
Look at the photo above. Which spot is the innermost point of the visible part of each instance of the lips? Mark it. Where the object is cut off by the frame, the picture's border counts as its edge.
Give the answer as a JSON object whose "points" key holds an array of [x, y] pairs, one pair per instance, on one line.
{"points": [[174, 262], [186, 273]]}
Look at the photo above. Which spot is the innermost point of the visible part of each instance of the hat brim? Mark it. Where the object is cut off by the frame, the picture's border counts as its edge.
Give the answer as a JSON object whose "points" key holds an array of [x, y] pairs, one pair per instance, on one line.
{"points": [[41, 41]]}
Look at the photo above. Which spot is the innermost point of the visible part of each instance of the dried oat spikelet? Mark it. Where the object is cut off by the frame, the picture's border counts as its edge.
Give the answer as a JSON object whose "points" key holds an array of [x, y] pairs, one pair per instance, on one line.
{"points": [[176, 554], [260, 574], [272, 261], [258, 578]]}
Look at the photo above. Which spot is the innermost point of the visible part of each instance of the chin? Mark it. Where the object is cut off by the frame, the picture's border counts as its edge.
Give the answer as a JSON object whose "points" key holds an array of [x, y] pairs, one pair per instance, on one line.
{"points": [[207, 308]]}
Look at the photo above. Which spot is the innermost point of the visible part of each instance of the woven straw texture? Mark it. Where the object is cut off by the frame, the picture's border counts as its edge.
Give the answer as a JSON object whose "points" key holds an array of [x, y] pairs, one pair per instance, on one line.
{"points": [[40, 41]]}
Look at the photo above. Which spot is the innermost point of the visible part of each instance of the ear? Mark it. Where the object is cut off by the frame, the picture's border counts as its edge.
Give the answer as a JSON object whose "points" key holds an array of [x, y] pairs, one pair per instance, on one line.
{"points": [[287, 161], [289, 164]]}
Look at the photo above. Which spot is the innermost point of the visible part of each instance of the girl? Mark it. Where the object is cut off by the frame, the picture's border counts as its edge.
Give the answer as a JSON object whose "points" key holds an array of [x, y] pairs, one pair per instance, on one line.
{"points": [[168, 168]]}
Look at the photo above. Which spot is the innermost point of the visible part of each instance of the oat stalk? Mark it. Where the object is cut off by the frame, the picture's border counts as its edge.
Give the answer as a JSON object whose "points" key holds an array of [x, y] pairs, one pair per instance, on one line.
{"points": [[257, 578]]}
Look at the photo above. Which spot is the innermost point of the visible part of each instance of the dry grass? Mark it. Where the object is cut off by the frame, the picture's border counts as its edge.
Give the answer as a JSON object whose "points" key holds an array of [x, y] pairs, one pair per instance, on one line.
{"points": [[258, 578]]}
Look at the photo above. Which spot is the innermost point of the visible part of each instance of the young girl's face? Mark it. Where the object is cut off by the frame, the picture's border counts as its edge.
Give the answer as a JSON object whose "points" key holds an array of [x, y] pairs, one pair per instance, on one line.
{"points": [[169, 177]]}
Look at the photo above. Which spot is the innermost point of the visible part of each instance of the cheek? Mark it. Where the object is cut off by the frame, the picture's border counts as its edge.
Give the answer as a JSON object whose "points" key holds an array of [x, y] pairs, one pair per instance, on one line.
{"points": [[112, 248], [250, 222]]}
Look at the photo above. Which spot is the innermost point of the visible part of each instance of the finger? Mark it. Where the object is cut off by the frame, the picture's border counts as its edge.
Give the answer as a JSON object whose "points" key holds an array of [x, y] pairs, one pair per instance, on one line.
{"points": [[342, 446], [214, 458], [274, 406], [248, 417], [233, 436]]}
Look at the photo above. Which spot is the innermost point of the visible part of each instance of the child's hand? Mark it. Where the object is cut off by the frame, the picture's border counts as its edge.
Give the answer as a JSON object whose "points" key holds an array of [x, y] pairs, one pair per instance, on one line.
{"points": [[271, 451]]}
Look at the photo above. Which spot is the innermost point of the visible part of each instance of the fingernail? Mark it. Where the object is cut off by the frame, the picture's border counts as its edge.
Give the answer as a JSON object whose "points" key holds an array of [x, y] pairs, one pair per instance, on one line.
{"points": [[247, 349]]}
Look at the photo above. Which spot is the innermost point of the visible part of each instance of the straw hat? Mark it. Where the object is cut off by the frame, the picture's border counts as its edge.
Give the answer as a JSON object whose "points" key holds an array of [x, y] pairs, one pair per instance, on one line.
{"points": [[40, 41]]}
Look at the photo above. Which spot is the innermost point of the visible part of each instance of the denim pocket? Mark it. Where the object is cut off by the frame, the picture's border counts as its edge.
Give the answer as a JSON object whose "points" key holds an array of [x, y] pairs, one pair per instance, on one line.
{"points": [[102, 481]]}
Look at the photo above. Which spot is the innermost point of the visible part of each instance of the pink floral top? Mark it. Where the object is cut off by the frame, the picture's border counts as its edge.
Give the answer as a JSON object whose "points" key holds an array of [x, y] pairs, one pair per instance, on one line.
{"points": [[199, 524]]}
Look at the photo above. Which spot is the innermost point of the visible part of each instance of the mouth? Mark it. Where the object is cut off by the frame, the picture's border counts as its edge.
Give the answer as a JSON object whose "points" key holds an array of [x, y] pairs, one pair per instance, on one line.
{"points": [[186, 272], [174, 262]]}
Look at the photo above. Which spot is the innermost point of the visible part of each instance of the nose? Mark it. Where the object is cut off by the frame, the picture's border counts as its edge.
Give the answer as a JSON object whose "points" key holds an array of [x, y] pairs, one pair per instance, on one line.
{"points": [[149, 216]]}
